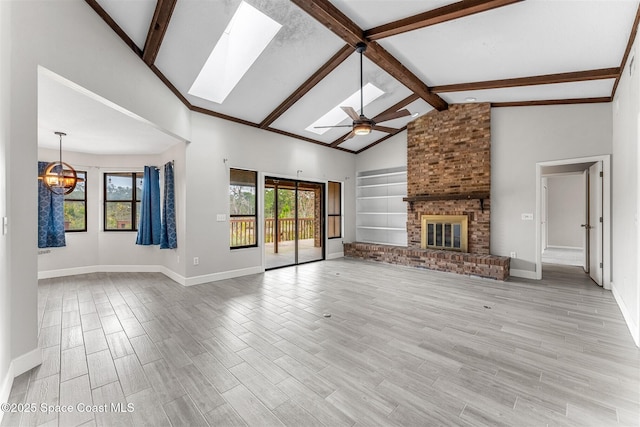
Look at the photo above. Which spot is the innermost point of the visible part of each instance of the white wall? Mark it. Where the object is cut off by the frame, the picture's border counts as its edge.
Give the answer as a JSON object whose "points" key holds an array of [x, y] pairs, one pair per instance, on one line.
{"points": [[214, 140], [95, 249], [625, 203], [566, 208], [70, 39], [521, 137], [390, 153], [5, 290]]}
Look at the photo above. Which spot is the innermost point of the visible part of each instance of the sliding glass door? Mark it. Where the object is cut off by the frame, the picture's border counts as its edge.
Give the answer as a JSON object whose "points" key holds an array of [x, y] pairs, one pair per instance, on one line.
{"points": [[293, 212]]}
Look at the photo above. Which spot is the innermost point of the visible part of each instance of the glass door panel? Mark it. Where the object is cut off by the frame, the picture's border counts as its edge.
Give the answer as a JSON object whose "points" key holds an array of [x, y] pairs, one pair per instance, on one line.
{"points": [[310, 216], [293, 212]]}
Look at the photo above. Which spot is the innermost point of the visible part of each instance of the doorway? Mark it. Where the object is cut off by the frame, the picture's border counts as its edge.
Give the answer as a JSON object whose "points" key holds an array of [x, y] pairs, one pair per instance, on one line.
{"points": [[294, 226], [573, 202]]}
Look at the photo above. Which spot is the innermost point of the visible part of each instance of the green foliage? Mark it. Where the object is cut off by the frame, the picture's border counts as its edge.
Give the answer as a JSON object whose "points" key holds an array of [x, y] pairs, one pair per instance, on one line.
{"points": [[74, 215]]}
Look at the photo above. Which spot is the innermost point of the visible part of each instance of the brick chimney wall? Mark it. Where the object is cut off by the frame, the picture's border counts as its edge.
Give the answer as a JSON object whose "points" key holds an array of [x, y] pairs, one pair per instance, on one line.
{"points": [[449, 153]]}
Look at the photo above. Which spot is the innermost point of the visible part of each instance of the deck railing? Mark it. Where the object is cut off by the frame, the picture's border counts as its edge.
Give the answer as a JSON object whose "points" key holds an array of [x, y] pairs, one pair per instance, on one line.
{"points": [[243, 230]]}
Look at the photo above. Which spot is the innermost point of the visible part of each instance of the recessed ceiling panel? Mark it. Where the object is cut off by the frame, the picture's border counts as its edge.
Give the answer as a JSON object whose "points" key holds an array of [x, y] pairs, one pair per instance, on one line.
{"points": [[298, 49], [523, 39], [92, 125], [134, 17], [337, 86], [372, 13], [574, 90], [361, 141]]}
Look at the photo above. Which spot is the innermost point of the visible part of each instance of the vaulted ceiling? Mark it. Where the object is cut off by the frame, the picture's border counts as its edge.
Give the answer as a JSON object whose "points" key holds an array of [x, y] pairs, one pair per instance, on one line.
{"points": [[422, 55]]}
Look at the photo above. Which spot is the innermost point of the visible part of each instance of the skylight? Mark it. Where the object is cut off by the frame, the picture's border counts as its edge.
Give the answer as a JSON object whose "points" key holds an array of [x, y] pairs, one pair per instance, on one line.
{"points": [[335, 116], [245, 38]]}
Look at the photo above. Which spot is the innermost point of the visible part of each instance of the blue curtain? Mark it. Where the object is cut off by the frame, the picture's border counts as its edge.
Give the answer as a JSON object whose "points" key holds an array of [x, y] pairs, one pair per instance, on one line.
{"points": [[50, 215], [168, 238], [149, 227]]}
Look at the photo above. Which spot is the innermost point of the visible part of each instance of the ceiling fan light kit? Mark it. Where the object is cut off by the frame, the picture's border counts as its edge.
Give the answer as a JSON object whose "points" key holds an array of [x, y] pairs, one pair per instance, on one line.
{"points": [[362, 125]]}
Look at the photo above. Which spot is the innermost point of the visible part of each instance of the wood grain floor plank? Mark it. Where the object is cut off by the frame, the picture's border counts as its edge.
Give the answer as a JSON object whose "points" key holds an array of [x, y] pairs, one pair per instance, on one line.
{"points": [[403, 347]]}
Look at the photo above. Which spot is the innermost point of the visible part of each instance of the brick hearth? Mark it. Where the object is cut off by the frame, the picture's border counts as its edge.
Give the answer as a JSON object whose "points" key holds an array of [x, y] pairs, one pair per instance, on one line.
{"points": [[490, 266]]}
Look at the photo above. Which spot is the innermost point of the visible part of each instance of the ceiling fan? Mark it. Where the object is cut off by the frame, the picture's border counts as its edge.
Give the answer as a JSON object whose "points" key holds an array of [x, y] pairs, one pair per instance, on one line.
{"points": [[362, 125]]}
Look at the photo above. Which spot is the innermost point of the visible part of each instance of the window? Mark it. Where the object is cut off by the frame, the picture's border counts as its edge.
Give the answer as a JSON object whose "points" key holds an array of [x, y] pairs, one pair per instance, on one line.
{"points": [[75, 206], [243, 208], [122, 194], [335, 210]]}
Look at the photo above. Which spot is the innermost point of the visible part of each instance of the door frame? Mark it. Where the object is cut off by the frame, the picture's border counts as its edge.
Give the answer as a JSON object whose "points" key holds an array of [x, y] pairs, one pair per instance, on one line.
{"points": [[261, 187], [606, 212]]}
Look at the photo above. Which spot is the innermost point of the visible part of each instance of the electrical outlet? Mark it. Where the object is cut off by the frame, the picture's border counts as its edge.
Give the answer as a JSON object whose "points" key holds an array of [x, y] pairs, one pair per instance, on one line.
{"points": [[527, 217], [196, 260], [513, 255], [178, 259]]}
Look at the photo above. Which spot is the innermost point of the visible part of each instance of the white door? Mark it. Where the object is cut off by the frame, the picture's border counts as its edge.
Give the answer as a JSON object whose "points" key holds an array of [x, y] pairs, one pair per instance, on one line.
{"points": [[595, 222], [543, 212], [585, 239]]}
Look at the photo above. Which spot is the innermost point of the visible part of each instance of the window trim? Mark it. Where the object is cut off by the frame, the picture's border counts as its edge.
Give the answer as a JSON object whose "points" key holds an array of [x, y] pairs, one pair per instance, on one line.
{"points": [[255, 210], [133, 201], [339, 214], [83, 230]]}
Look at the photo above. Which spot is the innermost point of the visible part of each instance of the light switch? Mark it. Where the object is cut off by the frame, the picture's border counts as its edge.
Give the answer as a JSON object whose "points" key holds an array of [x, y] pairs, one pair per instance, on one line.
{"points": [[5, 225], [221, 217], [527, 217]]}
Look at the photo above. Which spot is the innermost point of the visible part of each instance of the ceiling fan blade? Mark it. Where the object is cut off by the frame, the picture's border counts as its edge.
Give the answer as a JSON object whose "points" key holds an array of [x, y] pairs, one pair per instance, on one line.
{"points": [[391, 115], [385, 129], [351, 113], [351, 135]]}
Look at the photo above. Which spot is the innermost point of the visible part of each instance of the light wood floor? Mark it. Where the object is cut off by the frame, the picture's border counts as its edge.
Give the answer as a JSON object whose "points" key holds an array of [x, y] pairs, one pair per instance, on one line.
{"points": [[402, 347]]}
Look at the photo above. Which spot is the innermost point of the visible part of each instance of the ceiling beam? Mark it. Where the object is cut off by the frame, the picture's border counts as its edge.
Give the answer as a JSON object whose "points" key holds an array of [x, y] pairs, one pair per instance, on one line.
{"points": [[551, 102], [391, 65], [625, 57], [436, 16], [332, 18], [576, 76], [115, 27], [157, 30], [395, 107], [323, 72]]}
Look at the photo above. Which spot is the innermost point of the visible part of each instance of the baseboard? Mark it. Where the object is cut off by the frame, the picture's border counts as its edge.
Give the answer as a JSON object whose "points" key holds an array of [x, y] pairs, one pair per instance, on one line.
{"points": [[335, 255], [18, 366], [565, 247], [184, 281], [112, 269], [631, 324], [213, 277], [523, 274], [5, 389]]}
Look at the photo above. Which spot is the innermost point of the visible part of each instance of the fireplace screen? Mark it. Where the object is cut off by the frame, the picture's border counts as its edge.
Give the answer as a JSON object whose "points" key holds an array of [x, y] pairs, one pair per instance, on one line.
{"points": [[447, 232]]}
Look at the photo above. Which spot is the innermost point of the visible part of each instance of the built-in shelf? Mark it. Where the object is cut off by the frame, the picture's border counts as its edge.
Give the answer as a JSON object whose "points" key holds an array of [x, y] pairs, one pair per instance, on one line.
{"points": [[381, 214], [383, 197], [381, 228], [383, 185]]}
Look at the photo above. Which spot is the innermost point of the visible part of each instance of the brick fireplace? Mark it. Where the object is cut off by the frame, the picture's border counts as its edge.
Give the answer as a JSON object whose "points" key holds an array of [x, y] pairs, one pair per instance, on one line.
{"points": [[449, 171], [448, 174]]}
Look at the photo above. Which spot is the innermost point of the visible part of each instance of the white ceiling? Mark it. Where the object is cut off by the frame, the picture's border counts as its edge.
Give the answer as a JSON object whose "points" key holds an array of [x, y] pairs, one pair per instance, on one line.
{"points": [[93, 125], [525, 39]]}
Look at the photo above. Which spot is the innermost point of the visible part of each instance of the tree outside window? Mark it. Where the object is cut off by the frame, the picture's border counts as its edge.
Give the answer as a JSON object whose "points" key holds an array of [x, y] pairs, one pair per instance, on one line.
{"points": [[75, 206], [243, 208], [123, 192]]}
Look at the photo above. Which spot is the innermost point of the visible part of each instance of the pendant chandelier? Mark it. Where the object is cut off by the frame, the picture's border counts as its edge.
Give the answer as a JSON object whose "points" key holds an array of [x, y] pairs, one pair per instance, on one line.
{"points": [[59, 177]]}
